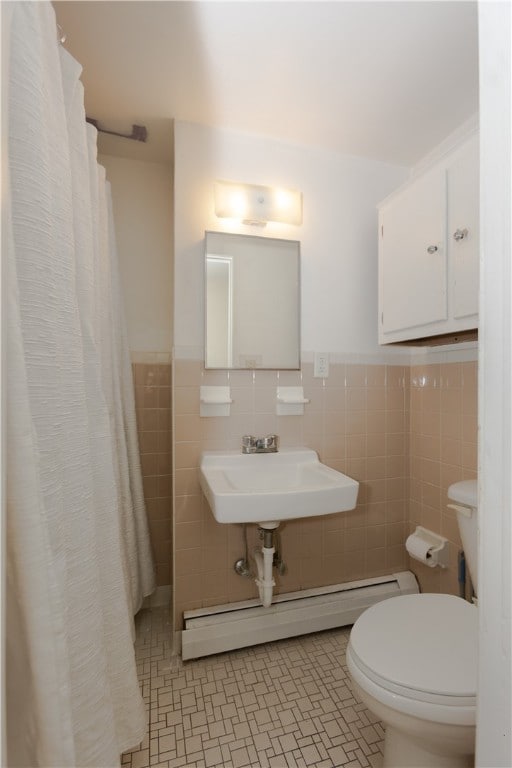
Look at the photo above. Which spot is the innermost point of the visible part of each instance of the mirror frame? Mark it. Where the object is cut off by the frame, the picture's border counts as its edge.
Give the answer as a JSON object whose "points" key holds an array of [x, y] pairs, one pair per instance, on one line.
{"points": [[299, 307]]}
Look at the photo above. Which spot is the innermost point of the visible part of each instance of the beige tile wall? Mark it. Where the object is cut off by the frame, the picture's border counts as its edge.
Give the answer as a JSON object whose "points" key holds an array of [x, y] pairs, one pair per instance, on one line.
{"points": [[357, 420], [405, 434], [443, 449], [153, 408]]}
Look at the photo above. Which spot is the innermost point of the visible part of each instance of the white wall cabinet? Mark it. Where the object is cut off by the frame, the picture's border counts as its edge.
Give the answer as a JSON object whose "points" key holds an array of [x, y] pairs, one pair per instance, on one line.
{"points": [[429, 251]]}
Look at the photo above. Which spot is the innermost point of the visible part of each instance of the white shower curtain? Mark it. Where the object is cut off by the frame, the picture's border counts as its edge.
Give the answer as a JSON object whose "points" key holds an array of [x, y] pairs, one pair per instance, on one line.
{"points": [[78, 560]]}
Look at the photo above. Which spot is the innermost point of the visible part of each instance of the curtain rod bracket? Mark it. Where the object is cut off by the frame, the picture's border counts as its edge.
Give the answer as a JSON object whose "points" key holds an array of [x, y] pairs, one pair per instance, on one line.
{"points": [[139, 132]]}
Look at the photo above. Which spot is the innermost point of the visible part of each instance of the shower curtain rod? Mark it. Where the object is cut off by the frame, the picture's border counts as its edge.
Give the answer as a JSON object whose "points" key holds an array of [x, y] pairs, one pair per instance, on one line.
{"points": [[139, 132]]}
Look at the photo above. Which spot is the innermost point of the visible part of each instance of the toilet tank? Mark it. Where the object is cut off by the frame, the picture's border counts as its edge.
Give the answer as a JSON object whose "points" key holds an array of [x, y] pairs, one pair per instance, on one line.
{"points": [[464, 496]]}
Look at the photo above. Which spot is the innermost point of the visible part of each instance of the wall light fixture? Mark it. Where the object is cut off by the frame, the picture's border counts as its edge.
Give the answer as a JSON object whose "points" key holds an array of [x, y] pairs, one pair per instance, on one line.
{"points": [[257, 205]]}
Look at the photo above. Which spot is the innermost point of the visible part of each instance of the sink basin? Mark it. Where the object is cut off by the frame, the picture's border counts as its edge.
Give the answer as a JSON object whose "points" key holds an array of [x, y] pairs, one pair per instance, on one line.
{"points": [[254, 488]]}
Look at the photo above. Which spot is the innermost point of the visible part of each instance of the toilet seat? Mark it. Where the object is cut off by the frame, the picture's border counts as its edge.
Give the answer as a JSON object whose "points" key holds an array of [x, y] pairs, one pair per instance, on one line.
{"points": [[419, 653]]}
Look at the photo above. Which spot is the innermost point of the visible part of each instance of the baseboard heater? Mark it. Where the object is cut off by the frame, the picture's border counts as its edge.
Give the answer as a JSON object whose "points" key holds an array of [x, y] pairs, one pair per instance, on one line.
{"points": [[238, 625]]}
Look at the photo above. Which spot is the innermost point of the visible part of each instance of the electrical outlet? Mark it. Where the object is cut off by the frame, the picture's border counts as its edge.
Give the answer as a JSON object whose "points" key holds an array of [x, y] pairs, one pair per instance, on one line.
{"points": [[321, 369]]}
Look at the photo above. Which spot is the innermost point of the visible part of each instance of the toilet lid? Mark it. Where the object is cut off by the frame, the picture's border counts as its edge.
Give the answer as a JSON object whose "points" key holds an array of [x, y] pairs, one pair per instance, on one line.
{"points": [[426, 643]]}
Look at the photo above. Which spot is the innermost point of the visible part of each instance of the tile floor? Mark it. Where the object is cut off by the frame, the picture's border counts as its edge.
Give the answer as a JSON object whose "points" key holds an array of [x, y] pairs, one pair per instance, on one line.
{"points": [[286, 704]]}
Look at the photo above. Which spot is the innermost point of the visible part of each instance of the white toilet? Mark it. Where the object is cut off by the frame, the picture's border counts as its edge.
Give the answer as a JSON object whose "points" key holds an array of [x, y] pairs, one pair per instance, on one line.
{"points": [[413, 660]]}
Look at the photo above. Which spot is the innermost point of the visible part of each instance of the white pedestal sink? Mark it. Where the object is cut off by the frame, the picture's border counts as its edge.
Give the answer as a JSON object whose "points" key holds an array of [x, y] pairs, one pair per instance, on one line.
{"points": [[266, 488]]}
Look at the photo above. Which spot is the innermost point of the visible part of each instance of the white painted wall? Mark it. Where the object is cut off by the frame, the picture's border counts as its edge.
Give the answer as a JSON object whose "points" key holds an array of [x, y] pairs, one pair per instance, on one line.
{"points": [[143, 218], [338, 235]]}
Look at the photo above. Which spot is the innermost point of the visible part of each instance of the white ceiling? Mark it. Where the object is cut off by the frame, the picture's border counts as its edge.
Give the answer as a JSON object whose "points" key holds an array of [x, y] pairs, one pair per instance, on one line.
{"points": [[387, 80]]}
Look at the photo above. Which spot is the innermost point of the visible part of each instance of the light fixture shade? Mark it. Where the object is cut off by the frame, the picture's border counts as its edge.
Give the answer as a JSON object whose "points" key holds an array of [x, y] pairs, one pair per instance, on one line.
{"points": [[257, 205]]}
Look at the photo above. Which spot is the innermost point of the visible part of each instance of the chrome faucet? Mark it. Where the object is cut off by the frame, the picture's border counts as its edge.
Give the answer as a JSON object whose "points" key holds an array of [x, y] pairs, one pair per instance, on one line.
{"points": [[266, 444]]}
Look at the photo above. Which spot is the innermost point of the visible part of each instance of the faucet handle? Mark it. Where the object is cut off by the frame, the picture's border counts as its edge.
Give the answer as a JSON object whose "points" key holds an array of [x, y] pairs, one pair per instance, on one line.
{"points": [[248, 443], [270, 442]]}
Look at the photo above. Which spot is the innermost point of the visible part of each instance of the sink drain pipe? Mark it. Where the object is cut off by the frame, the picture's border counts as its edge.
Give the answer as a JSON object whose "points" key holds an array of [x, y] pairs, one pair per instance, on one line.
{"points": [[264, 559]]}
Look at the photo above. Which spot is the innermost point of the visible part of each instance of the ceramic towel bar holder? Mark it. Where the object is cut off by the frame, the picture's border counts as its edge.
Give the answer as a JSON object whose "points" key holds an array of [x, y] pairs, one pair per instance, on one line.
{"points": [[290, 401], [214, 401]]}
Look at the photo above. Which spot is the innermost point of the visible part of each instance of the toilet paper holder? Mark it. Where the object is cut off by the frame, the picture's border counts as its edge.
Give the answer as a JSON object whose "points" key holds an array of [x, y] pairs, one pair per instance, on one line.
{"points": [[428, 548]]}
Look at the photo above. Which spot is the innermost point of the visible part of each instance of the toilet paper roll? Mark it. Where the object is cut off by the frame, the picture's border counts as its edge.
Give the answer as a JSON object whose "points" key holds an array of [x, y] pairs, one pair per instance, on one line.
{"points": [[420, 549]]}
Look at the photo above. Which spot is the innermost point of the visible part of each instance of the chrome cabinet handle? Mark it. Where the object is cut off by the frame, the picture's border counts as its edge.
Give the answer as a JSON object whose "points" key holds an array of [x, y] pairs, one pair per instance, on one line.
{"points": [[432, 249], [460, 234]]}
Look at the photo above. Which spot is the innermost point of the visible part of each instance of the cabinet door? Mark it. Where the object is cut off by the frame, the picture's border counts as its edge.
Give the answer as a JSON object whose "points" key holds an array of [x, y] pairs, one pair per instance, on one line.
{"points": [[463, 228], [413, 259]]}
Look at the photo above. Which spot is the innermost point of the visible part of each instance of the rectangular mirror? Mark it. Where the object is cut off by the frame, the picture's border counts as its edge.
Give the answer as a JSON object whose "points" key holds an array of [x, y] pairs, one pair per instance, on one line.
{"points": [[252, 302]]}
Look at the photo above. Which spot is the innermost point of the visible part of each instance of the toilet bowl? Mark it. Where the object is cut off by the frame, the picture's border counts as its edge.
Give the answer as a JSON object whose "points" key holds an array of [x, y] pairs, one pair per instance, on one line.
{"points": [[413, 662]]}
